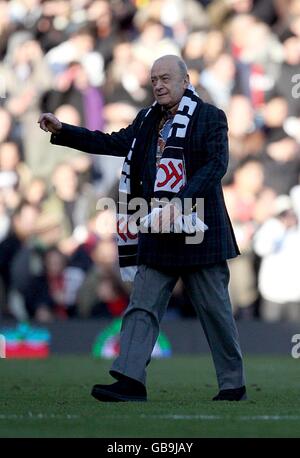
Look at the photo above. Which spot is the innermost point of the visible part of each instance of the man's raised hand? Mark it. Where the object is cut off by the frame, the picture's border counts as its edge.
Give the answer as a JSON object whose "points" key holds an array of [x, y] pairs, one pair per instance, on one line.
{"points": [[49, 123]]}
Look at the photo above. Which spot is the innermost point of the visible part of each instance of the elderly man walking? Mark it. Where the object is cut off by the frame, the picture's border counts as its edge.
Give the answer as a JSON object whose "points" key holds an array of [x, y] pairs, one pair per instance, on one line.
{"points": [[177, 148]]}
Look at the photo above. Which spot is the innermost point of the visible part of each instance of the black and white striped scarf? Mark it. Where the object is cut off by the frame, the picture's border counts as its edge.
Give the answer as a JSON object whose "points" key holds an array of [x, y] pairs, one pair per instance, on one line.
{"points": [[170, 176]]}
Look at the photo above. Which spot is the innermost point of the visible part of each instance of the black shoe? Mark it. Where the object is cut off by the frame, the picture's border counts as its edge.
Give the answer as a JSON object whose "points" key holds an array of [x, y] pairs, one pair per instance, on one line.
{"points": [[235, 394], [123, 390]]}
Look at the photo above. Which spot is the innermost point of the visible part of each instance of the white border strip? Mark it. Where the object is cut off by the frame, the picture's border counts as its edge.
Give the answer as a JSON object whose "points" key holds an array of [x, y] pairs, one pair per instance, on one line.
{"points": [[203, 417]]}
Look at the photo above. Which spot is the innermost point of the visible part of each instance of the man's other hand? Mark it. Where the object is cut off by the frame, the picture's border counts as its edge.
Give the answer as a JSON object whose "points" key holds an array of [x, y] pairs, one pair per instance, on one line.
{"points": [[49, 123]]}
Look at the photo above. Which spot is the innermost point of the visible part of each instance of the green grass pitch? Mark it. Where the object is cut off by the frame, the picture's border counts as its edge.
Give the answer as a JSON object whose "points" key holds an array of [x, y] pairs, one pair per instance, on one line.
{"points": [[51, 398]]}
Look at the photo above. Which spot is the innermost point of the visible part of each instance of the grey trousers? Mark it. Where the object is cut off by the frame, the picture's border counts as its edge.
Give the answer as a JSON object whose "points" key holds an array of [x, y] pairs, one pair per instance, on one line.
{"points": [[208, 290]]}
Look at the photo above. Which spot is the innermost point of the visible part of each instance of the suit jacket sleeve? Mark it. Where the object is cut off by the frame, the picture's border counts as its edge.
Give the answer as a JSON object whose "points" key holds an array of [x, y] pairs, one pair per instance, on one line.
{"points": [[97, 142], [216, 145]]}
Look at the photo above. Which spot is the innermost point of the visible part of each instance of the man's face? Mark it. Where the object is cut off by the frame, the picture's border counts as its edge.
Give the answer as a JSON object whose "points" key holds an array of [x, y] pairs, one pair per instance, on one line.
{"points": [[168, 82]]}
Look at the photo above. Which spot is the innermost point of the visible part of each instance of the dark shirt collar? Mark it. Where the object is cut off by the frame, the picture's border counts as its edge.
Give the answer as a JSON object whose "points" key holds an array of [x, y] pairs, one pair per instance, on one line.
{"points": [[169, 112]]}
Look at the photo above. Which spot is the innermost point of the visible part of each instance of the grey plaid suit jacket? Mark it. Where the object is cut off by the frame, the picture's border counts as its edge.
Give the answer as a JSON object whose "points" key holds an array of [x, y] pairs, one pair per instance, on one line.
{"points": [[206, 163]]}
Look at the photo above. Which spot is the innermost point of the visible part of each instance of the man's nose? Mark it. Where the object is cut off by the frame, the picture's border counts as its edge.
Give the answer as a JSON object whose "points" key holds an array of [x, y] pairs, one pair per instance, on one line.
{"points": [[158, 85]]}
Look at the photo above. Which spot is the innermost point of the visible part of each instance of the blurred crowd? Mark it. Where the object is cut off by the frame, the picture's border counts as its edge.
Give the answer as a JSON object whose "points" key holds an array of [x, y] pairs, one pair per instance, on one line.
{"points": [[88, 63]]}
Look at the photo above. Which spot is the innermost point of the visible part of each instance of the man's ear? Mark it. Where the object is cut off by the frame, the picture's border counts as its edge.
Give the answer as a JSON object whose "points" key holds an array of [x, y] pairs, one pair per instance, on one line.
{"points": [[186, 80]]}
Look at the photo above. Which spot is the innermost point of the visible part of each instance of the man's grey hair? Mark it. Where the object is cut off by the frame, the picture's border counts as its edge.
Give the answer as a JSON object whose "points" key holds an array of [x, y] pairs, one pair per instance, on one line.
{"points": [[183, 68], [181, 64]]}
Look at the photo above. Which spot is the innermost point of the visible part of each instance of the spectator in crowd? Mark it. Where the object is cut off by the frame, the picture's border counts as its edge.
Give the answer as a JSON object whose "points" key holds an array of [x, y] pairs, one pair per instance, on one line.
{"points": [[74, 89], [111, 300], [74, 204], [245, 137], [103, 252], [274, 113], [6, 27], [6, 125], [133, 87], [241, 198], [26, 76], [16, 242], [289, 68], [281, 161], [194, 50], [218, 80], [277, 242], [80, 47], [10, 161], [36, 192], [153, 41], [54, 265]]}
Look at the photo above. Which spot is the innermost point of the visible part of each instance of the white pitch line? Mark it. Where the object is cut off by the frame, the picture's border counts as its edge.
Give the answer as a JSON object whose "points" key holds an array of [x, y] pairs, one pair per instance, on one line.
{"points": [[184, 417], [209, 417], [270, 417], [203, 417], [219, 417], [36, 416]]}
